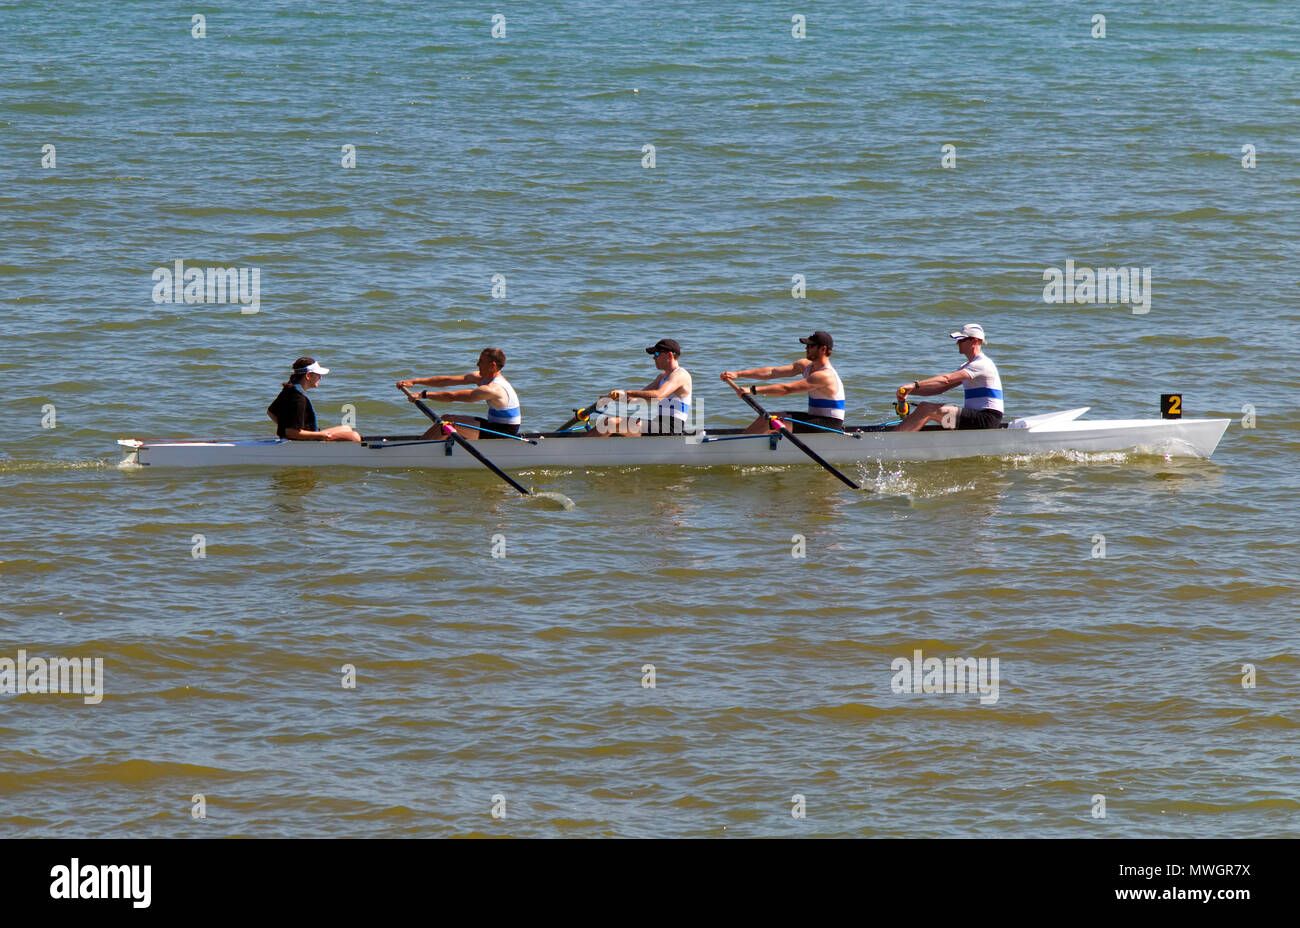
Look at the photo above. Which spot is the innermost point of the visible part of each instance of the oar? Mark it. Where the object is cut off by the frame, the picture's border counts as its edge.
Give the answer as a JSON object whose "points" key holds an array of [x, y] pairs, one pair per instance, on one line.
{"points": [[790, 435], [580, 415], [450, 429]]}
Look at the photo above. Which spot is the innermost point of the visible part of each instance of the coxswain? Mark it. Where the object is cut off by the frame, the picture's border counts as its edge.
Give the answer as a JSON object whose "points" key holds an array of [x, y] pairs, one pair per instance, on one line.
{"points": [[292, 413]]}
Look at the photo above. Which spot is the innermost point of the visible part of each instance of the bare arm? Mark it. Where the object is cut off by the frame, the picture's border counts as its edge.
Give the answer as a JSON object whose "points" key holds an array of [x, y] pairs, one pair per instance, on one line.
{"points": [[933, 385], [821, 379], [451, 380], [670, 385], [768, 373], [296, 434], [475, 395]]}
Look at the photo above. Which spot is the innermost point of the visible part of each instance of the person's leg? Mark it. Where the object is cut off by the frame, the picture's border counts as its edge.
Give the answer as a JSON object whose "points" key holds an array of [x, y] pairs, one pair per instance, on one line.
{"points": [[342, 433], [610, 426], [466, 427], [762, 426], [929, 412]]}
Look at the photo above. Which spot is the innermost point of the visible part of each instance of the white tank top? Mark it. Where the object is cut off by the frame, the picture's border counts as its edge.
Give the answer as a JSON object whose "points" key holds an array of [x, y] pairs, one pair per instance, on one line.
{"points": [[823, 403], [678, 407], [508, 413]]}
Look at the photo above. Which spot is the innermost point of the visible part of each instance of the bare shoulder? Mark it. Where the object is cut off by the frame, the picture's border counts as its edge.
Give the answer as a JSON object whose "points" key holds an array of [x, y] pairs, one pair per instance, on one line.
{"points": [[825, 375]]}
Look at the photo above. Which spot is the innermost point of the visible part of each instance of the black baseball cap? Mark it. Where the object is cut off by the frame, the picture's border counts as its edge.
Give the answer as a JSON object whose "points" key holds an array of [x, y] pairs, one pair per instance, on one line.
{"points": [[819, 338], [665, 344]]}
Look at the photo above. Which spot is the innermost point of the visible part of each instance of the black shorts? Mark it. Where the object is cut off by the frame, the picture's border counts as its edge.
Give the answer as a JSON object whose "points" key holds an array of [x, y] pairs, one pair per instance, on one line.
{"points": [[827, 421], [665, 425], [978, 418], [512, 429]]}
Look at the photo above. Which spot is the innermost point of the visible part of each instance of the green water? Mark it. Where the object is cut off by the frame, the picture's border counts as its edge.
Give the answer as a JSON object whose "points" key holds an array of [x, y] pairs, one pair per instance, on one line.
{"points": [[522, 676]]}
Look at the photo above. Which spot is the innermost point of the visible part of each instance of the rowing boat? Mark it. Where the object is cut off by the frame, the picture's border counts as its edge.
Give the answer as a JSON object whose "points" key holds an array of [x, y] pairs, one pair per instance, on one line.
{"points": [[1046, 434]]}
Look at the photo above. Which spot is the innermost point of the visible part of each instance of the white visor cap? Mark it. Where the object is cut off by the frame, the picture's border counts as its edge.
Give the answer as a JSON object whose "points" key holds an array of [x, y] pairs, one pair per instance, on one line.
{"points": [[971, 330]]}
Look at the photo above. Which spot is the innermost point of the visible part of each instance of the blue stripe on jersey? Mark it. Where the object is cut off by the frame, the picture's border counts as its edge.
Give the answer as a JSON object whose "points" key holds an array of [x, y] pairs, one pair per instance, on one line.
{"points": [[674, 407], [825, 404], [981, 392], [503, 415]]}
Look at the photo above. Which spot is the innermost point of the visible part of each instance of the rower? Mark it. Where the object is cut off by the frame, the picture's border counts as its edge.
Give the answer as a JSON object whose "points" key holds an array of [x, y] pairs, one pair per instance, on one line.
{"points": [[485, 384], [670, 392], [292, 413], [979, 376], [816, 377]]}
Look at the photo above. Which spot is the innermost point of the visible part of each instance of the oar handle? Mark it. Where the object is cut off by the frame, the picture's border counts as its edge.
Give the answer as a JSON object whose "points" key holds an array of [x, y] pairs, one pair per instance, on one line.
{"points": [[447, 427]]}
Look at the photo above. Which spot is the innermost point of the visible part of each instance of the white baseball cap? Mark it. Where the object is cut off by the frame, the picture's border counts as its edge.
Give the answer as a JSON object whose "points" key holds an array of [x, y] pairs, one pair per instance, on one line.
{"points": [[312, 368], [971, 330]]}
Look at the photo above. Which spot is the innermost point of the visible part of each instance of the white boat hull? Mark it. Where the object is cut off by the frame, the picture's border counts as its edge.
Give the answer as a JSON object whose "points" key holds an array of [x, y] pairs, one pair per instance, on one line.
{"points": [[1047, 434]]}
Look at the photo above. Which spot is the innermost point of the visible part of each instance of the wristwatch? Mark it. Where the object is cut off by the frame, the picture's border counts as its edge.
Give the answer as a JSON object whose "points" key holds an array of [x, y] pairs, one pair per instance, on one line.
{"points": [[753, 389]]}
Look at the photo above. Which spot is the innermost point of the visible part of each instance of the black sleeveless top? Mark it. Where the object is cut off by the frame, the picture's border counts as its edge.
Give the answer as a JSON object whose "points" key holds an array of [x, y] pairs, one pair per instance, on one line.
{"points": [[292, 410]]}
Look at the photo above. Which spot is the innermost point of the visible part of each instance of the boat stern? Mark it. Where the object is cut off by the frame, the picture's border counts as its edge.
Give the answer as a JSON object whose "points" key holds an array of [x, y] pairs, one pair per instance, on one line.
{"points": [[130, 452]]}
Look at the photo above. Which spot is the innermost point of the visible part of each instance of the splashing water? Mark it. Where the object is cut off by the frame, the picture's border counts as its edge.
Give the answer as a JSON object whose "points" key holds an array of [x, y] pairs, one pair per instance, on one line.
{"points": [[565, 503]]}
